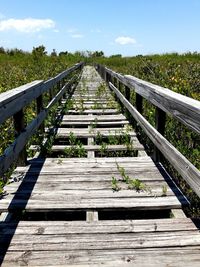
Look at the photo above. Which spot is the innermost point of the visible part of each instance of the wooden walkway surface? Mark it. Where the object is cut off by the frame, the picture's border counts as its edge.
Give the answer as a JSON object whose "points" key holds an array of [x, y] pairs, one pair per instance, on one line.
{"points": [[97, 198]]}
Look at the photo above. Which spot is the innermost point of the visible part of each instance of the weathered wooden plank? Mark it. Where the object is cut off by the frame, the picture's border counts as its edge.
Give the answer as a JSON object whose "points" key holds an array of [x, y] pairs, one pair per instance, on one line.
{"points": [[162, 257], [185, 168], [104, 241], [118, 117], [144, 175], [135, 146], [106, 226], [85, 133], [147, 203], [95, 111], [97, 123], [105, 186]]}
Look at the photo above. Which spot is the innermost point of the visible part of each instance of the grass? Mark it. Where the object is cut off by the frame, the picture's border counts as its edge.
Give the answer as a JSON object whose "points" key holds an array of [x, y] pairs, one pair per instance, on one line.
{"points": [[131, 183]]}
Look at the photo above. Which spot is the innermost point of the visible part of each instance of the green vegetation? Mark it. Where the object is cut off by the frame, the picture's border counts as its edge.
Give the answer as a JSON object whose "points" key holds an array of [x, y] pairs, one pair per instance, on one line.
{"points": [[180, 73], [114, 184], [132, 184], [164, 191], [76, 148]]}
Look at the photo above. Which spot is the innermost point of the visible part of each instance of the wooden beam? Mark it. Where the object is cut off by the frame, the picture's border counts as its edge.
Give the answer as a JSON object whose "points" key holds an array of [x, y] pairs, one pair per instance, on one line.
{"points": [[184, 167], [160, 120], [183, 108], [14, 100], [19, 125]]}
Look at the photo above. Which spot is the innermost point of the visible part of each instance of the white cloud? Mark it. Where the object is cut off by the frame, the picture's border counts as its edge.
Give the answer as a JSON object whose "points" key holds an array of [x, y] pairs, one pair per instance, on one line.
{"points": [[26, 25], [124, 40], [77, 35]]}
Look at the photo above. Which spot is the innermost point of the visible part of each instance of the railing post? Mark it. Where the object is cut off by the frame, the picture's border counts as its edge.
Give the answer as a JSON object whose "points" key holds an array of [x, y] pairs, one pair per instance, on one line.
{"points": [[160, 120], [19, 125], [104, 73], [107, 77], [139, 107], [59, 86], [138, 103], [40, 107], [127, 93]]}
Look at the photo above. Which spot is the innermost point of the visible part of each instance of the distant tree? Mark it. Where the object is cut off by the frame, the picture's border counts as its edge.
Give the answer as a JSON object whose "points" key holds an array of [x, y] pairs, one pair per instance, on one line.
{"points": [[15, 51], [117, 55], [63, 53], [39, 52], [2, 50], [54, 53], [98, 54]]}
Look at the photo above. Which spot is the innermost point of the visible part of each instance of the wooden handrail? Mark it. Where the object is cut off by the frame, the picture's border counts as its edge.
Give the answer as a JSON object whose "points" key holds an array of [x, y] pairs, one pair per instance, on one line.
{"points": [[183, 108], [13, 102]]}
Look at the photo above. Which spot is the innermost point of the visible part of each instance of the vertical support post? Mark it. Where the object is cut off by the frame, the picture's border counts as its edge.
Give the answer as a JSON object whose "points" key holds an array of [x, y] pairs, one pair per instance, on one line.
{"points": [[120, 87], [59, 86], [138, 103], [127, 93], [40, 107], [104, 74], [123, 109], [107, 77], [160, 120], [19, 125], [51, 93]]}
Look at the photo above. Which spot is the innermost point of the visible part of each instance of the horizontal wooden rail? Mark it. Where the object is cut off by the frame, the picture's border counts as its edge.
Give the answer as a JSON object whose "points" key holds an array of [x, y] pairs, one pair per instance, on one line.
{"points": [[185, 168], [183, 108], [13, 102]]}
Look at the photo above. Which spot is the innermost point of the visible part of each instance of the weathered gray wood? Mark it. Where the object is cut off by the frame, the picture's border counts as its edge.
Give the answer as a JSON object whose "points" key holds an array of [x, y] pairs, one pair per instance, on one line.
{"points": [[135, 146], [84, 185], [160, 120], [102, 123], [90, 117], [40, 107], [95, 111], [14, 100], [49, 205], [104, 241], [105, 226], [154, 257], [12, 152], [19, 125], [85, 133], [91, 216], [178, 213], [183, 108], [185, 168]]}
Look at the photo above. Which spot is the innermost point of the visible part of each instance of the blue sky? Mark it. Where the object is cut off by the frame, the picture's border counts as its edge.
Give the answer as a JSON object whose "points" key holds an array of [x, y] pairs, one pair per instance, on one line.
{"points": [[127, 27]]}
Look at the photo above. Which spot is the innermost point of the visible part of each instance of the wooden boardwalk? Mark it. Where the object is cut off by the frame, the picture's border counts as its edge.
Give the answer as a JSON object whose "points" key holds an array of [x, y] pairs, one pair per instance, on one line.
{"points": [[97, 198]]}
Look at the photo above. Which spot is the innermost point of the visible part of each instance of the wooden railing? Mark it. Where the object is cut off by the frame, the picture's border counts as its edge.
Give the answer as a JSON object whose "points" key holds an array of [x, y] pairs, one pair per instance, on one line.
{"points": [[13, 102], [183, 108]]}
